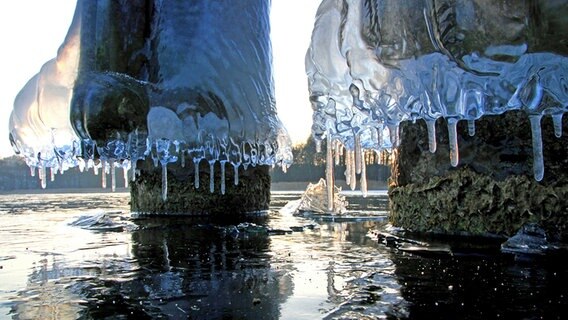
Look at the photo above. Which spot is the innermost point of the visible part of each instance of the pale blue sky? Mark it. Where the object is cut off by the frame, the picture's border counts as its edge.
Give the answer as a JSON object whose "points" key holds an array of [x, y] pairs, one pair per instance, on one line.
{"points": [[32, 31]]}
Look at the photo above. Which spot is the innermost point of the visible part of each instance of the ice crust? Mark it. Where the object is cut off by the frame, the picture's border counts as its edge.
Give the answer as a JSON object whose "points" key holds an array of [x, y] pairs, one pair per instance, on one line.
{"points": [[40, 129], [207, 54], [373, 64]]}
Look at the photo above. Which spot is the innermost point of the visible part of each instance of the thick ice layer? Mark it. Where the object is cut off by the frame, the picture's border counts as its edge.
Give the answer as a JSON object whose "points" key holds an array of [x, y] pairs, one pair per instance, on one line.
{"points": [[40, 129], [208, 97], [373, 64]]}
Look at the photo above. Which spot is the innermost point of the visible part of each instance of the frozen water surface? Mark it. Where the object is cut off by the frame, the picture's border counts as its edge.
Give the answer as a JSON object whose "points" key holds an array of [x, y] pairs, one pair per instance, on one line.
{"points": [[85, 257]]}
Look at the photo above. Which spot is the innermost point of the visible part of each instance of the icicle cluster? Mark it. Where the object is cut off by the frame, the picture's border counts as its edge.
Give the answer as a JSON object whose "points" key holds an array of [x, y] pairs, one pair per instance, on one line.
{"points": [[163, 152], [367, 75], [243, 155], [355, 161]]}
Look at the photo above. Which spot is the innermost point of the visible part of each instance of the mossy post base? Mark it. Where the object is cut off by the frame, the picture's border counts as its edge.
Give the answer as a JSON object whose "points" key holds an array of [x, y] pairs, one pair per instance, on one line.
{"points": [[492, 191], [250, 196]]}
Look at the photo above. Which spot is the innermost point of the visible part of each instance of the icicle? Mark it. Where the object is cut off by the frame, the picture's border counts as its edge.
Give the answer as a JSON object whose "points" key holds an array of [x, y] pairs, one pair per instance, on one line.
{"points": [[112, 176], [182, 159], [196, 165], [223, 177], [133, 169], [284, 168], [52, 174], [431, 125], [393, 132], [125, 175], [329, 173], [557, 121], [42, 176], [538, 161], [254, 154], [338, 146], [364, 179], [471, 127], [245, 156], [164, 181], [352, 176], [32, 171], [318, 145], [104, 178], [211, 176], [357, 154], [347, 167], [95, 169], [236, 175], [81, 163], [453, 139]]}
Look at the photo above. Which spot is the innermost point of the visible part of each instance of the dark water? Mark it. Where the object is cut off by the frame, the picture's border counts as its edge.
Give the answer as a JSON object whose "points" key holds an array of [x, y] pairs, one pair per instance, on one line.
{"points": [[61, 258]]}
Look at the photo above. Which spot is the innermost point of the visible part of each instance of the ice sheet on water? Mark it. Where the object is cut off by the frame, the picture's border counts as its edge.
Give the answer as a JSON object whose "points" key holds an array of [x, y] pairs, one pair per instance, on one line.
{"points": [[374, 64]]}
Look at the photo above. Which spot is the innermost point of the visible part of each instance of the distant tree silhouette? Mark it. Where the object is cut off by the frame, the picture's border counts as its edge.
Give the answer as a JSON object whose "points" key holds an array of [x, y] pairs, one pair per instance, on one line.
{"points": [[305, 153]]}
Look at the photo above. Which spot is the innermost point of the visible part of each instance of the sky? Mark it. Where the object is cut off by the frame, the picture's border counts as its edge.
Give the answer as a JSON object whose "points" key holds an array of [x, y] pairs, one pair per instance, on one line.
{"points": [[32, 31]]}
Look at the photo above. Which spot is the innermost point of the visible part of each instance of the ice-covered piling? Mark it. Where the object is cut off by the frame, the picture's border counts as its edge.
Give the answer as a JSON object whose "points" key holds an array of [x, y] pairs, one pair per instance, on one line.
{"points": [[159, 80], [372, 65]]}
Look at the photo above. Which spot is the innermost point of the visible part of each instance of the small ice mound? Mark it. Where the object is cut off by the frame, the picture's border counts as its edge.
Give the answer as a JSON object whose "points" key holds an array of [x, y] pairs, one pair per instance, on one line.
{"points": [[530, 239], [315, 200], [102, 221]]}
